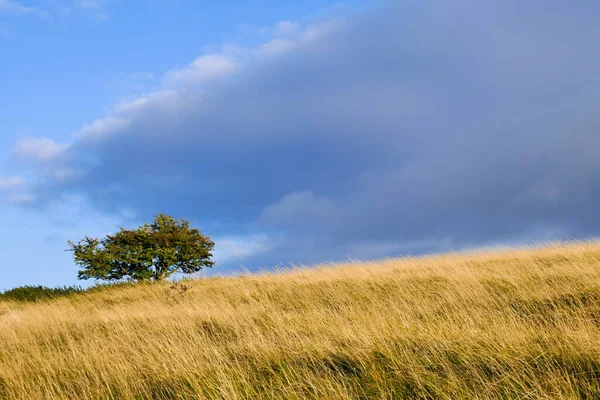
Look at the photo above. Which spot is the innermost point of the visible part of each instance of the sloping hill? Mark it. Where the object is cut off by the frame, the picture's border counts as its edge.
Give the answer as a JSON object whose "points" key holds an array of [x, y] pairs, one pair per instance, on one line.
{"points": [[505, 324]]}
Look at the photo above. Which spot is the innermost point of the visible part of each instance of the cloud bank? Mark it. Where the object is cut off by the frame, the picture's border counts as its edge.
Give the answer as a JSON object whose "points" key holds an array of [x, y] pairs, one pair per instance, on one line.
{"points": [[414, 127]]}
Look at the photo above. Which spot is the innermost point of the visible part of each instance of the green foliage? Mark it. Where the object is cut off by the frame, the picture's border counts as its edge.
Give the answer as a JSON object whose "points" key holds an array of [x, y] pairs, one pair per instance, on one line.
{"points": [[39, 293], [151, 252]]}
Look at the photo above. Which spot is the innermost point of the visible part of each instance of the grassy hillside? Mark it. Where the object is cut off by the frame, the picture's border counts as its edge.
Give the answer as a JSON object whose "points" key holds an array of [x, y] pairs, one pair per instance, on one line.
{"points": [[506, 324]]}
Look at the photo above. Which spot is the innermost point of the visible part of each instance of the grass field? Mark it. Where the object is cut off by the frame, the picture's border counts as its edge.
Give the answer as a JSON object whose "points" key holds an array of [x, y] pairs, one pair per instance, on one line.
{"points": [[522, 324]]}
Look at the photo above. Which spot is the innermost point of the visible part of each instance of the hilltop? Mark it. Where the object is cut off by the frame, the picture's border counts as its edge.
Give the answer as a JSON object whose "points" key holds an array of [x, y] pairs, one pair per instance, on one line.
{"points": [[508, 323]]}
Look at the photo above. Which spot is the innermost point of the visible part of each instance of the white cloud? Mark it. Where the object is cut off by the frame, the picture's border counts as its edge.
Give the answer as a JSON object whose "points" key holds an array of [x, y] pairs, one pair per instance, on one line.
{"points": [[11, 183], [63, 174], [96, 6], [285, 36], [39, 150], [92, 3], [14, 7], [209, 68], [20, 199], [288, 36], [13, 190], [139, 103], [235, 248], [277, 46], [203, 69], [287, 28], [121, 116], [102, 127], [48, 158], [73, 8]]}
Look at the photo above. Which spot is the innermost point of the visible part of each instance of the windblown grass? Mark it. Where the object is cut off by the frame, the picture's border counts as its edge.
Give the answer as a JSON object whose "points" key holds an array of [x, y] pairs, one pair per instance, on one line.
{"points": [[504, 324], [39, 293]]}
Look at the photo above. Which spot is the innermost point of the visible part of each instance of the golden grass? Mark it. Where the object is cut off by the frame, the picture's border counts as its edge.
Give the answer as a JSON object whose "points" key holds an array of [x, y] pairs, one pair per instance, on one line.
{"points": [[505, 324]]}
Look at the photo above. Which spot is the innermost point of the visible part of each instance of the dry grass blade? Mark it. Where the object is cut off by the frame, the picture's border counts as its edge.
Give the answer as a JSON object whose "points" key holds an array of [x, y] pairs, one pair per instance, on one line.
{"points": [[504, 324]]}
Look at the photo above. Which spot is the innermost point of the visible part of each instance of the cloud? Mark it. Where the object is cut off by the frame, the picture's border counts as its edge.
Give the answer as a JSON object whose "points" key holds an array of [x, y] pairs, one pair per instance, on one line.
{"points": [[287, 29], [71, 8], [20, 199], [38, 150], [13, 182], [410, 128], [50, 159], [238, 248], [202, 69], [97, 6], [92, 3], [108, 125], [13, 190], [303, 210], [12, 7]]}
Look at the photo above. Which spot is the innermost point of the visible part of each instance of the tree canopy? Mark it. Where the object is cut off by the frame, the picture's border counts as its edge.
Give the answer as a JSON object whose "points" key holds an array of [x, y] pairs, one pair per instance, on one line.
{"points": [[151, 252]]}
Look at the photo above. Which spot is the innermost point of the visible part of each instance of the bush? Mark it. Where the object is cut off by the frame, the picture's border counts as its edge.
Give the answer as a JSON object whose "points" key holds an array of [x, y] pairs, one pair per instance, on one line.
{"points": [[39, 293]]}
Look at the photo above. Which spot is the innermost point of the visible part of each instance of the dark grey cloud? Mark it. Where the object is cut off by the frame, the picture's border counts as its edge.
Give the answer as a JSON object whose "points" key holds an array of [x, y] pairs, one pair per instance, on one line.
{"points": [[419, 126]]}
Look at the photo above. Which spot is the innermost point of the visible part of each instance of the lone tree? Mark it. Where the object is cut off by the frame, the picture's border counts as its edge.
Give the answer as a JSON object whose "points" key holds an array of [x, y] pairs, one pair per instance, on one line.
{"points": [[151, 252]]}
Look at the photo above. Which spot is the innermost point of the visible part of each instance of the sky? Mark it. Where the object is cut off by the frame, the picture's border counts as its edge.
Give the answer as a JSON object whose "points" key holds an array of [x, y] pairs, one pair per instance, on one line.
{"points": [[296, 132]]}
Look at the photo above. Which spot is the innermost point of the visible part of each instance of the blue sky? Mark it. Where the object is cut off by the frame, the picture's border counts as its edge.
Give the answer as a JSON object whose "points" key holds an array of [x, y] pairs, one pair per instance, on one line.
{"points": [[296, 132]]}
